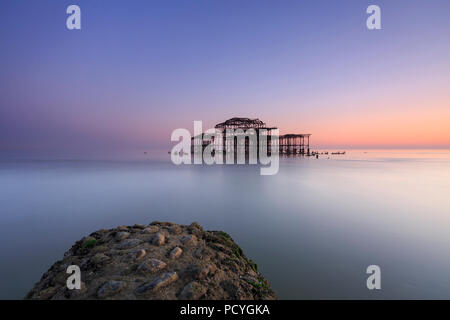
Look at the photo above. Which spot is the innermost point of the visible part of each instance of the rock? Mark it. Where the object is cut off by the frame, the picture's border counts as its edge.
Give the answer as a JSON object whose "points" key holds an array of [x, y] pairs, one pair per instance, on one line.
{"points": [[192, 291], [151, 229], [151, 266], [77, 294], [159, 239], [47, 293], [199, 253], [122, 235], [139, 226], [85, 264], [162, 224], [140, 254], [204, 253], [220, 247], [207, 270], [195, 228], [194, 264], [101, 248], [193, 270], [130, 243], [175, 253], [249, 279], [229, 287], [110, 288], [189, 240], [175, 229], [99, 258], [158, 283]]}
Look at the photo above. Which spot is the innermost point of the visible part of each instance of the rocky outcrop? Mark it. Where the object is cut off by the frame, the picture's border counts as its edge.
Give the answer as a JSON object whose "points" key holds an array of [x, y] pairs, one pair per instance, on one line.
{"points": [[160, 261]]}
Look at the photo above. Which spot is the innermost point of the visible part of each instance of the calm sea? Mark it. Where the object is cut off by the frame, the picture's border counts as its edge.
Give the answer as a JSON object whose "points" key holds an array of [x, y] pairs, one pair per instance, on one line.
{"points": [[312, 229]]}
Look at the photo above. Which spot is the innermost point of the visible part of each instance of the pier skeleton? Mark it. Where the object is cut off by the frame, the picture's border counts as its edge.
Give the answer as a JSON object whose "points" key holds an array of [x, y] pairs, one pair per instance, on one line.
{"points": [[251, 130]]}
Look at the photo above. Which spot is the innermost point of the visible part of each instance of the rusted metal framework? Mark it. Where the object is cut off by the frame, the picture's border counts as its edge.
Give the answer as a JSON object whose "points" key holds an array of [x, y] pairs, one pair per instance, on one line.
{"points": [[242, 123], [242, 133], [234, 139], [199, 143], [294, 144]]}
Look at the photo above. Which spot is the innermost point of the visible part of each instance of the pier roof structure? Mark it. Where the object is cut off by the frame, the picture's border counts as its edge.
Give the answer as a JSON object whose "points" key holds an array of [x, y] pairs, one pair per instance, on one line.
{"points": [[242, 123], [296, 135]]}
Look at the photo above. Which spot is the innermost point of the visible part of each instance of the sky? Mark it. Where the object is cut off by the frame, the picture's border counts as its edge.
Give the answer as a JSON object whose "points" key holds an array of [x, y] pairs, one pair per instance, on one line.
{"points": [[137, 70]]}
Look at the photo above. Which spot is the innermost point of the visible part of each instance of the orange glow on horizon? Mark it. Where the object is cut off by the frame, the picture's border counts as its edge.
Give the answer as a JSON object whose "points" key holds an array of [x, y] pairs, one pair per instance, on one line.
{"points": [[408, 127]]}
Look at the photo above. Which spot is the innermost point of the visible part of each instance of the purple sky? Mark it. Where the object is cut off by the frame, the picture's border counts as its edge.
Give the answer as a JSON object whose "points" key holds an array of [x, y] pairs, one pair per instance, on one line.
{"points": [[139, 69]]}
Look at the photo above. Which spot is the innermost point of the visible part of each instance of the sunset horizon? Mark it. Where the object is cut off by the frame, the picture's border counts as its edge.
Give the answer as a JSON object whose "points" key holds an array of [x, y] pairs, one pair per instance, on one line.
{"points": [[111, 84], [235, 157]]}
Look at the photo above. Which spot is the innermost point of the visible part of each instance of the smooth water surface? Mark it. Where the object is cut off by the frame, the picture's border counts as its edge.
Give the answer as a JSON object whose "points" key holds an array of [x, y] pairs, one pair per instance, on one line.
{"points": [[313, 228]]}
